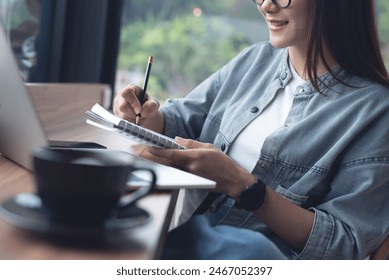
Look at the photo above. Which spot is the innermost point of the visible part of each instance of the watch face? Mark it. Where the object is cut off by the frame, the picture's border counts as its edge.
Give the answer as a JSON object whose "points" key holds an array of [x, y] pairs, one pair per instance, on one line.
{"points": [[252, 198]]}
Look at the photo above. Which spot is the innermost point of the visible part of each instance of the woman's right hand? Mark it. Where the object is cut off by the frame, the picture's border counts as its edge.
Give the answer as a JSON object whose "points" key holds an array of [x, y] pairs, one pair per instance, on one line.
{"points": [[127, 106]]}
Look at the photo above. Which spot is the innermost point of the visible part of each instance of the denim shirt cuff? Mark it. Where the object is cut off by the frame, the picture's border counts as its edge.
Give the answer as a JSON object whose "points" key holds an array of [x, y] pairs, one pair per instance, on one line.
{"points": [[319, 238], [171, 129]]}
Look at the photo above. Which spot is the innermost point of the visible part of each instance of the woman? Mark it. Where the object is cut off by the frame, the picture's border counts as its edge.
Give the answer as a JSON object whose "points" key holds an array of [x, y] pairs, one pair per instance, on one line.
{"points": [[301, 121]]}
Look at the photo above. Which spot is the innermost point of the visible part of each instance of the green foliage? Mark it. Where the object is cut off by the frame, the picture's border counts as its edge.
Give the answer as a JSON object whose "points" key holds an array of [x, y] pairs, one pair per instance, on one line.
{"points": [[383, 19], [136, 10], [186, 49], [16, 14], [383, 27]]}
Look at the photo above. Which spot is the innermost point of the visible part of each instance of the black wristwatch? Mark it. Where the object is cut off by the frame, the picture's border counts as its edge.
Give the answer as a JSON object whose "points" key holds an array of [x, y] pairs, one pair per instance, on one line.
{"points": [[252, 197]]}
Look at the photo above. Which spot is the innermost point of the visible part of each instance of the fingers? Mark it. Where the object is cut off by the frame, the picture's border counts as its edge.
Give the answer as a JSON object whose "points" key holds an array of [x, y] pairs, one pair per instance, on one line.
{"points": [[149, 108], [139, 150], [127, 105], [143, 151], [130, 95], [193, 144], [162, 153], [189, 160], [171, 157]]}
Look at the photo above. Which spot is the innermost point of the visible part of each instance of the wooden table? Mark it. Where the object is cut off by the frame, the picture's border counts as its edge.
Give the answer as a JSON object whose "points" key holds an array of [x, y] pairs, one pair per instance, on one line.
{"points": [[140, 243]]}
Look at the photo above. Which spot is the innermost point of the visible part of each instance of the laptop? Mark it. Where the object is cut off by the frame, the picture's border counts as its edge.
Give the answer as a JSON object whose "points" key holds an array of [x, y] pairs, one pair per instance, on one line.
{"points": [[21, 130]]}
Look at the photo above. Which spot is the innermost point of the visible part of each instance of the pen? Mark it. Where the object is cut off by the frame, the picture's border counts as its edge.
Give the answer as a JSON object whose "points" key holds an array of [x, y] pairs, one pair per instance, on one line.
{"points": [[146, 81]]}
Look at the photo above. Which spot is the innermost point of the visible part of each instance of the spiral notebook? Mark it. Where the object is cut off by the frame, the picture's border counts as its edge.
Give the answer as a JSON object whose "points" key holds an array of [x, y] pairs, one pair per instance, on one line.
{"points": [[104, 119]]}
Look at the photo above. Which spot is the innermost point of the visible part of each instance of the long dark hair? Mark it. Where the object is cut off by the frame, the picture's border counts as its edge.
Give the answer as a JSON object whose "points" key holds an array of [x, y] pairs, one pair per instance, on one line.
{"points": [[348, 29]]}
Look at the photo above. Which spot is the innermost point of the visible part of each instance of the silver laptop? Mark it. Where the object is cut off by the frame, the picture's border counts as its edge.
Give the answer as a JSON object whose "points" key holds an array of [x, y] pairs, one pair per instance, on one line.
{"points": [[21, 129]]}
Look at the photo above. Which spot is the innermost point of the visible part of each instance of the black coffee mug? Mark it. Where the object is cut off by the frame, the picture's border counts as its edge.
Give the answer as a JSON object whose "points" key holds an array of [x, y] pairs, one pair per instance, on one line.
{"points": [[85, 187]]}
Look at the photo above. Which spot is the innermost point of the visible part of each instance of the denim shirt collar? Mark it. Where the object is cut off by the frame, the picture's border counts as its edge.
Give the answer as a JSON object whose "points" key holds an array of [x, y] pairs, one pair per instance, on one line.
{"points": [[326, 81], [284, 73]]}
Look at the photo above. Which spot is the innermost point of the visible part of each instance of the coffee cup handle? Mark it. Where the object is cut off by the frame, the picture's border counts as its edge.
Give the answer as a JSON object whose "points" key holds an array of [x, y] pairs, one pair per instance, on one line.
{"points": [[126, 201]]}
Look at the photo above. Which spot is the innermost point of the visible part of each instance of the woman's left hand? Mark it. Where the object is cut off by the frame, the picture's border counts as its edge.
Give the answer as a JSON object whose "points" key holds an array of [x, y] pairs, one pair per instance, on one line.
{"points": [[288, 220], [206, 161]]}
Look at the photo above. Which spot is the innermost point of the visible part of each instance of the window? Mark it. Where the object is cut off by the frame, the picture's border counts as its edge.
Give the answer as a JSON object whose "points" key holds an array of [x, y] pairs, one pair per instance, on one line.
{"points": [[383, 28], [20, 20], [192, 39], [188, 39]]}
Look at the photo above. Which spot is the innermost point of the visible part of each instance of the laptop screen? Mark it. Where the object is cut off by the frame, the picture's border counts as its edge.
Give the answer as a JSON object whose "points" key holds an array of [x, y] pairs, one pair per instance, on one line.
{"points": [[20, 127]]}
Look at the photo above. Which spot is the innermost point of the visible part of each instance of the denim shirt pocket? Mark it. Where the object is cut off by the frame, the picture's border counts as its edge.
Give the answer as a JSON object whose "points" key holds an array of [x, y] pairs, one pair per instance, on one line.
{"points": [[295, 198]]}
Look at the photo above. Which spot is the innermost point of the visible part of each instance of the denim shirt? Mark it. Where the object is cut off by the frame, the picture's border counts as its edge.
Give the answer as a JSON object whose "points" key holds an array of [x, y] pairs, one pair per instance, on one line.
{"points": [[331, 156]]}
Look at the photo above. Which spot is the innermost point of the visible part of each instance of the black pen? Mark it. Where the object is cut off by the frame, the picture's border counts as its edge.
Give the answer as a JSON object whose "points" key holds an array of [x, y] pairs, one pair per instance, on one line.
{"points": [[146, 81]]}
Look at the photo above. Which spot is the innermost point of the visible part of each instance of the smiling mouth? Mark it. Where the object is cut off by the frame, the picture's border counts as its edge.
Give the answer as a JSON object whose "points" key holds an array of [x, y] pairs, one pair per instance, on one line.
{"points": [[278, 23]]}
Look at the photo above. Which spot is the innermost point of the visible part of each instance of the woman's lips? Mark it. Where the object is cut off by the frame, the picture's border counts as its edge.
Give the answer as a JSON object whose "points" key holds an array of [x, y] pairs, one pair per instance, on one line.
{"points": [[276, 25]]}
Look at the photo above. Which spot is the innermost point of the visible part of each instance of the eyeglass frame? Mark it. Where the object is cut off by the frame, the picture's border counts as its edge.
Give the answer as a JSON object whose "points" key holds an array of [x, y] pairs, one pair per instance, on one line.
{"points": [[274, 2]]}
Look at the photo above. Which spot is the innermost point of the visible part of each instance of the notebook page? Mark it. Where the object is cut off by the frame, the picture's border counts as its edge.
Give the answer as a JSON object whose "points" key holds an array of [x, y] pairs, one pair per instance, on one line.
{"points": [[132, 131], [102, 112]]}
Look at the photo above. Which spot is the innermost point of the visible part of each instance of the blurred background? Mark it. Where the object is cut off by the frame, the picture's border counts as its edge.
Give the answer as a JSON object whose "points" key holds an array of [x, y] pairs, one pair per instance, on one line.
{"points": [[109, 41]]}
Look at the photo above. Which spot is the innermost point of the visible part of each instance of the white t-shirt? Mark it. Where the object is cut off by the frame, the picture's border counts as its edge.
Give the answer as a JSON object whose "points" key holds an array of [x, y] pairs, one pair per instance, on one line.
{"points": [[247, 146]]}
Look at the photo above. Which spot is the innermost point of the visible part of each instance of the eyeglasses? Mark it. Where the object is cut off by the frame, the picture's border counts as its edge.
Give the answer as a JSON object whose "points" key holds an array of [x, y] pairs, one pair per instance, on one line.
{"points": [[279, 3]]}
